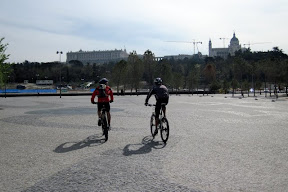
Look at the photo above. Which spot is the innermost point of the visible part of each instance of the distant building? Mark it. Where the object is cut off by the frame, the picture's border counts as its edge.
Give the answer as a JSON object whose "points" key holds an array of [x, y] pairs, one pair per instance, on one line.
{"points": [[181, 56], [98, 57], [178, 57], [224, 52]]}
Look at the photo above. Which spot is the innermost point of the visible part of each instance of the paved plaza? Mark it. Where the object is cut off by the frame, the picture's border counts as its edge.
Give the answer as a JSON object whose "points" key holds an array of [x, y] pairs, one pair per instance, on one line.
{"points": [[217, 143]]}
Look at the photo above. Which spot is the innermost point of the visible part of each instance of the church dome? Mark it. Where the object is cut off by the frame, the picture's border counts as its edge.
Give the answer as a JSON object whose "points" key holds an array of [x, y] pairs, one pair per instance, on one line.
{"points": [[234, 39]]}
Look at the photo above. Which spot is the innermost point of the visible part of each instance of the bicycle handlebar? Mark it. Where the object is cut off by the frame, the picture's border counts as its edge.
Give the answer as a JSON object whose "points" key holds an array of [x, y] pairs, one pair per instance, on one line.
{"points": [[103, 108]]}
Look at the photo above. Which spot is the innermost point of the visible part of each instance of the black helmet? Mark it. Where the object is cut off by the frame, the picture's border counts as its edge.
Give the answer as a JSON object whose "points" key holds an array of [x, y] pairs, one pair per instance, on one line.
{"points": [[103, 81], [158, 81]]}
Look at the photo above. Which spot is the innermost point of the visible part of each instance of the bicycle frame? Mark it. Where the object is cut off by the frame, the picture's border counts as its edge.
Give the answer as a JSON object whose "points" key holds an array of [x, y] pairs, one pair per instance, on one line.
{"points": [[104, 119], [103, 112], [163, 124], [161, 109]]}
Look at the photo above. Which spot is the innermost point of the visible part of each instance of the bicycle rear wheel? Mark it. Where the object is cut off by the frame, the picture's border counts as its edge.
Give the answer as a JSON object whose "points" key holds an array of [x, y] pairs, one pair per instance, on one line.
{"points": [[104, 127], [164, 130], [152, 124]]}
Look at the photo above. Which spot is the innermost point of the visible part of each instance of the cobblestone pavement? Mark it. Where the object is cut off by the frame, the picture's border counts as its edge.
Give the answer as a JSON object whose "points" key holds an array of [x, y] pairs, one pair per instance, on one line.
{"points": [[217, 143]]}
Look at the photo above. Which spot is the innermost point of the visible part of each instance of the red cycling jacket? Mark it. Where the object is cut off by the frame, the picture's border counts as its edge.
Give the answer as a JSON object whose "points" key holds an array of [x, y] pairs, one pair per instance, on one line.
{"points": [[108, 92]]}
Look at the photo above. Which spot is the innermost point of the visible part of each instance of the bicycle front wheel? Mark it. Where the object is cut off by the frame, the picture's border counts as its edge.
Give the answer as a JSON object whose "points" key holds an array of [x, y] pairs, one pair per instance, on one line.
{"points": [[152, 124], [164, 130]]}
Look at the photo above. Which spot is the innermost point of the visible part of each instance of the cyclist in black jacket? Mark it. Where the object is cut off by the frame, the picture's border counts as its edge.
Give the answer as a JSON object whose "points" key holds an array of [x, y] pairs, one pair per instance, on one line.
{"points": [[162, 96]]}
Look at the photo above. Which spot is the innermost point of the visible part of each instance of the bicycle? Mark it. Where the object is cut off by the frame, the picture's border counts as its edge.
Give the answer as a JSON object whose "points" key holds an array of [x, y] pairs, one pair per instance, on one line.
{"points": [[163, 124], [104, 123]]}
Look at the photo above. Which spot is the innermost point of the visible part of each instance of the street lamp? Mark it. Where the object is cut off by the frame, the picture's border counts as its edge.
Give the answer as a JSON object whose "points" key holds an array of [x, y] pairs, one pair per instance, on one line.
{"points": [[37, 75], [6, 81], [82, 85], [60, 53]]}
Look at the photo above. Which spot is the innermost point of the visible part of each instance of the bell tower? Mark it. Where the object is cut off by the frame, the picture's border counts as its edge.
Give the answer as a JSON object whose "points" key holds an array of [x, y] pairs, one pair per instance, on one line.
{"points": [[210, 48]]}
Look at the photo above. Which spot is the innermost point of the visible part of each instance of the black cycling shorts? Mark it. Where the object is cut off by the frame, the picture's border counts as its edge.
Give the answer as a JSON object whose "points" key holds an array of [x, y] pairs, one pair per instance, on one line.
{"points": [[106, 104], [158, 105]]}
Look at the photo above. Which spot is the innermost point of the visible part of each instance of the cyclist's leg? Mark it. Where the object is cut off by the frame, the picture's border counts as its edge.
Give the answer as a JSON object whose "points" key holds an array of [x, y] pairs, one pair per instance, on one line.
{"points": [[164, 106], [157, 112], [156, 121], [109, 118], [107, 106], [164, 110], [99, 106]]}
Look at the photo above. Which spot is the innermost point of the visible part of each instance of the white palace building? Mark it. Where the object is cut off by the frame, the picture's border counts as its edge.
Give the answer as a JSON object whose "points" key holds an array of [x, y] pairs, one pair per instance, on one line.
{"points": [[98, 57]]}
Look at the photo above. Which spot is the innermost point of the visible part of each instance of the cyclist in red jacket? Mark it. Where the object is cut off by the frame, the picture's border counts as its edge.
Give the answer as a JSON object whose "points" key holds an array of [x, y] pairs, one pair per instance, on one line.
{"points": [[103, 91]]}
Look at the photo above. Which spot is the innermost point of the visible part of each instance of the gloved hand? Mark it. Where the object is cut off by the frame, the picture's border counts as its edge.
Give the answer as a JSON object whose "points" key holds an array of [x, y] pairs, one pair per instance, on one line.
{"points": [[111, 101], [93, 102], [146, 104]]}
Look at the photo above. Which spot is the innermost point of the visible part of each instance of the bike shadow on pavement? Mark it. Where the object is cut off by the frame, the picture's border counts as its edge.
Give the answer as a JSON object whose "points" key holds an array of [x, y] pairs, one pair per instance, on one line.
{"points": [[91, 141], [144, 147]]}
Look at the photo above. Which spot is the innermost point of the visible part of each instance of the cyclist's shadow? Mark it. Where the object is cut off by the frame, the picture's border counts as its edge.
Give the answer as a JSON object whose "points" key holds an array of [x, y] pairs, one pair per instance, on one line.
{"points": [[146, 146], [93, 140]]}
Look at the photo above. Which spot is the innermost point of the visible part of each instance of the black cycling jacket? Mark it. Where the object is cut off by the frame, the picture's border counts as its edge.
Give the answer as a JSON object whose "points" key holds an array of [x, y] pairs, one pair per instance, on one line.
{"points": [[160, 91]]}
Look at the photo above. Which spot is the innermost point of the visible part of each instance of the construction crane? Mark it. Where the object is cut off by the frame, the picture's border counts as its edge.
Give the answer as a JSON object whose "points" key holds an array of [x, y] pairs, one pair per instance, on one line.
{"points": [[223, 38], [194, 43], [254, 44]]}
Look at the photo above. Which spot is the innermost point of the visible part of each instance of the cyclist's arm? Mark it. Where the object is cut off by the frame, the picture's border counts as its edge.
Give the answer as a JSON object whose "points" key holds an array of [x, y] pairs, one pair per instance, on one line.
{"points": [[111, 95], [149, 95], [93, 96]]}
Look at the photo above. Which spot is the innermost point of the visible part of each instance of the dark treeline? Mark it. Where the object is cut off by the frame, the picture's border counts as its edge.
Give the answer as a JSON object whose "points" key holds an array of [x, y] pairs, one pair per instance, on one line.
{"points": [[243, 71]]}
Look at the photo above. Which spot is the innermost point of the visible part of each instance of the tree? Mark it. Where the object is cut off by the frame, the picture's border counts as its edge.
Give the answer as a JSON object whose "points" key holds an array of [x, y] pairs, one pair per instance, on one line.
{"points": [[209, 74], [5, 69], [197, 74], [119, 73], [164, 71], [135, 70], [253, 70], [177, 80], [272, 67], [191, 81], [149, 66], [240, 67], [246, 86], [225, 86]]}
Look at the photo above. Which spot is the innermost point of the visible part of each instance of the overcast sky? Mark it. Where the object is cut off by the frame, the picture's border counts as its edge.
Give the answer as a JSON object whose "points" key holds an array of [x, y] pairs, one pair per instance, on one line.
{"points": [[36, 29]]}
